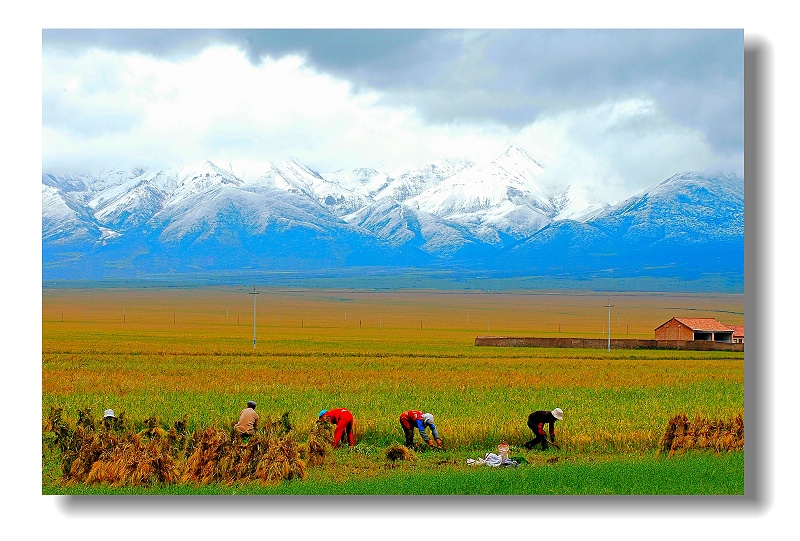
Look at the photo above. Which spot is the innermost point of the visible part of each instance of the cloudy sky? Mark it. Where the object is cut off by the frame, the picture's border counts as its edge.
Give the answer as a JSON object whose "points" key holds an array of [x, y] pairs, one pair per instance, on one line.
{"points": [[619, 109]]}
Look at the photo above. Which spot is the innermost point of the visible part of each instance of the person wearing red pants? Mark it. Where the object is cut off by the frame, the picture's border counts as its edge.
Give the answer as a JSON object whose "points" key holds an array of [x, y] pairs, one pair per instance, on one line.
{"points": [[343, 420]]}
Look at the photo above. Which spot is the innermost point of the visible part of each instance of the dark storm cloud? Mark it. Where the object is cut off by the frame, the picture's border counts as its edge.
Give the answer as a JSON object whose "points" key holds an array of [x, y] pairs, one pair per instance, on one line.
{"points": [[506, 76], [336, 51], [156, 42]]}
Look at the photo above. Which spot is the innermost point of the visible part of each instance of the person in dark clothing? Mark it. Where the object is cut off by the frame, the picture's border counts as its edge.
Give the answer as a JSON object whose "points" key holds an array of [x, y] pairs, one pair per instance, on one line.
{"points": [[536, 422]]}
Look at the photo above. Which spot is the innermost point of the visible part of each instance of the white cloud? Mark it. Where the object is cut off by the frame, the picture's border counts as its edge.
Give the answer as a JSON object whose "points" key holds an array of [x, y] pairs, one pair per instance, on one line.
{"points": [[622, 146], [104, 109]]}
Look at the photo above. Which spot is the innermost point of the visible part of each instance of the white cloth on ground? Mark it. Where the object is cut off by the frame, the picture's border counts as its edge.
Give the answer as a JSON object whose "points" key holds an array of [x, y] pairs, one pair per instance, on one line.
{"points": [[492, 459]]}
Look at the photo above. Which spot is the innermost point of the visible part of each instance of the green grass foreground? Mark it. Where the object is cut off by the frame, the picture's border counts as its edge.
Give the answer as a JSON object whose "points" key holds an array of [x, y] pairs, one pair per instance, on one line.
{"points": [[692, 473]]}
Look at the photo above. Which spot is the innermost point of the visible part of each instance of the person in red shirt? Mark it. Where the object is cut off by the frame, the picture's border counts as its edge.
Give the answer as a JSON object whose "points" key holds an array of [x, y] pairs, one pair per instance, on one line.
{"points": [[343, 420], [412, 419]]}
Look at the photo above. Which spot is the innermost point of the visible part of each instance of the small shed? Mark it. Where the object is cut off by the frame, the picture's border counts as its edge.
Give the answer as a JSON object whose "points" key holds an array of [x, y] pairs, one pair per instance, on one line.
{"points": [[694, 328], [738, 334]]}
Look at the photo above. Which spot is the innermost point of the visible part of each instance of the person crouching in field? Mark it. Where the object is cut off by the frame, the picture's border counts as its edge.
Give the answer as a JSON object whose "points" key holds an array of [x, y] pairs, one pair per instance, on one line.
{"points": [[536, 422], [110, 421], [416, 419], [248, 420], [343, 420]]}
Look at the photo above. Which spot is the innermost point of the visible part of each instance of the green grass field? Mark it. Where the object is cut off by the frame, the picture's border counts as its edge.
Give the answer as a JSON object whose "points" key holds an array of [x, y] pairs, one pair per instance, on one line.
{"points": [[698, 473], [176, 353]]}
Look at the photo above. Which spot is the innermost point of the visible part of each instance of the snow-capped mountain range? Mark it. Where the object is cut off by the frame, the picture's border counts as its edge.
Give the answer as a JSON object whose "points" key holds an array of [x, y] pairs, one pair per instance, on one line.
{"points": [[493, 215]]}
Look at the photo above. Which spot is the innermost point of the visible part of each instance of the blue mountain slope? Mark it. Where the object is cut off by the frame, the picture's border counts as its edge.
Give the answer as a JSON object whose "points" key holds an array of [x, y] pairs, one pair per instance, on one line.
{"points": [[689, 227], [407, 228], [207, 220], [225, 228], [687, 208]]}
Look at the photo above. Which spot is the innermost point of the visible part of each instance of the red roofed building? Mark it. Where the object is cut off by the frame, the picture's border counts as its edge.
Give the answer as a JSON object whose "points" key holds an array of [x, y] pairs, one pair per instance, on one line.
{"points": [[695, 328], [738, 334]]}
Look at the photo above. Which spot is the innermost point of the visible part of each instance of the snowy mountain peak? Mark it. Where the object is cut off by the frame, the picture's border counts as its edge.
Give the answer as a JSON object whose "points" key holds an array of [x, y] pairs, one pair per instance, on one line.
{"points": [[408, 184], [500, 196], [207, 217], [696, 178], [208, 169], [515, 153], [297, 167], [577, 203], [201, 178]]}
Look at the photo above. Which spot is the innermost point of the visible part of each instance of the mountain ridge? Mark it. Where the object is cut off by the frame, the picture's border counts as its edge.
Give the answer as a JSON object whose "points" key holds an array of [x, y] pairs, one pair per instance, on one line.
{"points": [[491, 216]]}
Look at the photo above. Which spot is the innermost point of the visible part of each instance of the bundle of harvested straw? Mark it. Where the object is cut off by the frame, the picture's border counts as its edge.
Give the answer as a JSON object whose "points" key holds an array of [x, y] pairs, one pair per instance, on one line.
{"points": [[320, 438], [206, 449], [59, 428], [154, 455], [86, 419], [151, 428], [134, 461], [702, 433], [281, 462], [399, 452], [84, 448]]}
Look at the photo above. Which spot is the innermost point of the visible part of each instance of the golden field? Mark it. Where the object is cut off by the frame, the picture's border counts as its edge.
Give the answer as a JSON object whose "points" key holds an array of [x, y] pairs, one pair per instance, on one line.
{"points": [[171, 352]]}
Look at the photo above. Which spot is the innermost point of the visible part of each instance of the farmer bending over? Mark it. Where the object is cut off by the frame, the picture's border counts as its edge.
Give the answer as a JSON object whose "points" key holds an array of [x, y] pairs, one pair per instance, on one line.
{"points": [[110, 420], [343, 420], [536, 421], [416, 419], [248, 420]]}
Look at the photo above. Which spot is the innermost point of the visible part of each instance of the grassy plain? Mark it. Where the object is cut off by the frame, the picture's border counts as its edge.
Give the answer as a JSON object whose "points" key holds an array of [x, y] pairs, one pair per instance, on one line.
{"points": [[171, 352]]}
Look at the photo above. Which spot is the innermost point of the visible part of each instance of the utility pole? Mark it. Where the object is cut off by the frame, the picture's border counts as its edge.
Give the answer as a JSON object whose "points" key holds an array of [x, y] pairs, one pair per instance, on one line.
{"points": [[609, 306], [254, 293]]}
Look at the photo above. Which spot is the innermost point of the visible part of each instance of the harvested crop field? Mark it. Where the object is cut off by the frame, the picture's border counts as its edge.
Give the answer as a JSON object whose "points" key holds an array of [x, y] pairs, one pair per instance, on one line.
{"points": [[187, 354]]}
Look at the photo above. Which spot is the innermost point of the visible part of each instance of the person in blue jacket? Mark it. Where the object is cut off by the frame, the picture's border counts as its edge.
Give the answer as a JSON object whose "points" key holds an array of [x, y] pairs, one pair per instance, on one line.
{"points": [[412, 419]]}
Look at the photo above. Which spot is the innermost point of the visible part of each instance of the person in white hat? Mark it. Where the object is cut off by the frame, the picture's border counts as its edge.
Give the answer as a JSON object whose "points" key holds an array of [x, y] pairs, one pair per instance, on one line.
{"points": [[109, 419], [416, 419], [536, 422]]}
